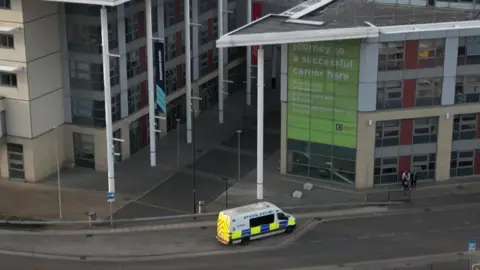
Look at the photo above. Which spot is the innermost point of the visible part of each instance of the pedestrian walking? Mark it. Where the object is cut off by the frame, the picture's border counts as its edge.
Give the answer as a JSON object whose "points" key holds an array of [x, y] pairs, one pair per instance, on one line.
{"points": [[405, 180], [414, 179]]}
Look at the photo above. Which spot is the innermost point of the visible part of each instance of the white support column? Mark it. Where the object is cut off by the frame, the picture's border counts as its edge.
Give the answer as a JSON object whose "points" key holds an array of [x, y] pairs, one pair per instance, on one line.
{"points": [[260, 116], [151, 88], [249, 58], [221, 83], [108, 99], [67, 104], [188, 70], [195, 42], [226, 12], [122, 61]]}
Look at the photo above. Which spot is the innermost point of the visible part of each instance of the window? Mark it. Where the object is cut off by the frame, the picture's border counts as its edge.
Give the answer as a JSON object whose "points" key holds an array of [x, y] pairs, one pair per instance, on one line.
{"points": [[424, 166], [469, 50], [84, 150], [82, 111], [391, 56], [171, 48], [116, 108], [203, 66], [387, 133], [431, 53], [6, 41], [465, 127], [232, 20], [462, 163], [8, 79], [204, 6], [425, 130], [5, 4], [171, 80], [89, 76], [133, 63], [389, 95], [131, 28], [16, 169], [386, 170], [134, 99], [114, 72], [204, 33], [169, 13], [254, 222], [467, 89], [99, 111], [428, 92], [215, 27]]}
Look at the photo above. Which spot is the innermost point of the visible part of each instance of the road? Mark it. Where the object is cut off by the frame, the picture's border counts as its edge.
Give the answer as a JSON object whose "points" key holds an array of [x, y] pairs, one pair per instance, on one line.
{"points": [[334, 242]]}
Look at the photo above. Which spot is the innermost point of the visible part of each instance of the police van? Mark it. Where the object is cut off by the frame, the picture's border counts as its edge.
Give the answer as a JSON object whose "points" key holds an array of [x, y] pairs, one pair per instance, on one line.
{"points": [[242, 224]]}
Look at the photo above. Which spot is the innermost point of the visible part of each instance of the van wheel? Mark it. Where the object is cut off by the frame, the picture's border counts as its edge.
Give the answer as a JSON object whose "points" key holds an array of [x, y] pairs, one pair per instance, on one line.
{"points": [[245, 241], [289, 230]]}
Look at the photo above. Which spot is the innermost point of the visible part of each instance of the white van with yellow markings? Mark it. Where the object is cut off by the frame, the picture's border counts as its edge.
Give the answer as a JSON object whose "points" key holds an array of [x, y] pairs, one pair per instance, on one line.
{"points": [[253, 221]]}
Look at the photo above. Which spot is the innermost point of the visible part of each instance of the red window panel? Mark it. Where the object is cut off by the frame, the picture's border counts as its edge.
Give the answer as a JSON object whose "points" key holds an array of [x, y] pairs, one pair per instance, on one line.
{"points": [[406, 131], [180, 77], [408, 99], [210, 3], [141, 24], [478, 125], [411, 54], [477, 161], [178, 44], [404, 164], [210, 29], [142, 55], [210, 60], [178, 10], [143, 94]]}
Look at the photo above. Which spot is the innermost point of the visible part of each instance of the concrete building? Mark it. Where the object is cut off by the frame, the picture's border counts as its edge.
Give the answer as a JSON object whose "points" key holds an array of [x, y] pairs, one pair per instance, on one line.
{"points": [[372, 88], [51, 78]]}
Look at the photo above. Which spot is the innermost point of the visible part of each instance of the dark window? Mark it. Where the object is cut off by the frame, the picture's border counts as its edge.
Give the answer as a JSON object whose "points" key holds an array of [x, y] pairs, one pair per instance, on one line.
{"points": [[8, 79], [254, 222], [468, 53], [386, 170], [6, 41], [389, 95], [134, 99], [425, 130], [391, 56], [424, 166], [428, 92], [84, 150], [5, 4], [16, 169], [465, 127], [462, 163], [387, 133], [467, 89]]}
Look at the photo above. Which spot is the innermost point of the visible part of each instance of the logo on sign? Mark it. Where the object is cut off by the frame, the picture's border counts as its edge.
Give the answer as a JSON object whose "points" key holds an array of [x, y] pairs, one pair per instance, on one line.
{"points": [[339, 127]]}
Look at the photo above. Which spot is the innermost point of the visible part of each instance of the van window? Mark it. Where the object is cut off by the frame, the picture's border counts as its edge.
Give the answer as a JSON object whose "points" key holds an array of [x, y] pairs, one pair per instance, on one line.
{"points": [[254, 222]]}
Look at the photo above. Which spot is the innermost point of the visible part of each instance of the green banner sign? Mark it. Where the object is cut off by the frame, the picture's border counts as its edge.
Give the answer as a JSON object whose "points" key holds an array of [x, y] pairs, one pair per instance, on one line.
{"points": [[323, 92]]}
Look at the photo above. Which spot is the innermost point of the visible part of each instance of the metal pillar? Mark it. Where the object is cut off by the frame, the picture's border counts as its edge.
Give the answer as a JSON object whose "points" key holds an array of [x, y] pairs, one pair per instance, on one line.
{"points": [[151, 86], [188, 70], [108, 99], [59, 182], [274, 67], [249, 58], [221, 86], [260, 116]]}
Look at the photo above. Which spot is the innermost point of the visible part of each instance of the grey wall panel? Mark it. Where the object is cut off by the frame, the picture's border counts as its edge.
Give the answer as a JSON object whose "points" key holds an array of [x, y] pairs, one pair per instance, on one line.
{"points": [[406, 150], [410, 74], [468, 70], [367, 88], [465, 145], [284, 72]]}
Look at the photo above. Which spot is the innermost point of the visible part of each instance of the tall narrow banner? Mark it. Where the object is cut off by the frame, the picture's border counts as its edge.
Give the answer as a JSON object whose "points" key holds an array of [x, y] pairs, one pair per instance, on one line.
{"points": [[160, 76], [256, 14]]}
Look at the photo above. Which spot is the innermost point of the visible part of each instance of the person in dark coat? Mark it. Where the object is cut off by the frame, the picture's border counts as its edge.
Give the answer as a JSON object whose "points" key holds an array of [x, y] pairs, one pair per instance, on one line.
{"points": [[414, 179]]}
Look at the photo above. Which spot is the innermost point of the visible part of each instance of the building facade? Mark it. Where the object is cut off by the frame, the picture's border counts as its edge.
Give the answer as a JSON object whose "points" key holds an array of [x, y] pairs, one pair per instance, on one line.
{"points": [[52, 78], [413, 105]]}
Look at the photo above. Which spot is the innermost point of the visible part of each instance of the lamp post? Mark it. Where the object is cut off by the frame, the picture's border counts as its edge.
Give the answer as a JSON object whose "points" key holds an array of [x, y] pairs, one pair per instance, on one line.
{"points": [[178, 143], [59, 186], [225, 179], [194, 156]]}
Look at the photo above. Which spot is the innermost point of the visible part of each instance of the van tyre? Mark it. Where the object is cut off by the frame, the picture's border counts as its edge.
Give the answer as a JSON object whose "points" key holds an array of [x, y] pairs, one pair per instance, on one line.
{"points": [[289, 230], [245, 241]]}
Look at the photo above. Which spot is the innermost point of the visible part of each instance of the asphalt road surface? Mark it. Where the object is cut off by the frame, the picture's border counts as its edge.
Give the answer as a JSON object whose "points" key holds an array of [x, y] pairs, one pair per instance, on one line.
{"points": [[335, 242]]}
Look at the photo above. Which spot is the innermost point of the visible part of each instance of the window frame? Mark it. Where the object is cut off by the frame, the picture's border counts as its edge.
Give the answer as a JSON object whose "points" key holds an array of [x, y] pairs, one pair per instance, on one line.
{"points": [[391, 56], [462, 56], [381, 165], [435, 53], [432, 126], [8, 79], [432, 95], [5, 4], [381, 127], [134, 98], [384, 89], [7, 41], [458, 157], [462, 120], [424, 160]]}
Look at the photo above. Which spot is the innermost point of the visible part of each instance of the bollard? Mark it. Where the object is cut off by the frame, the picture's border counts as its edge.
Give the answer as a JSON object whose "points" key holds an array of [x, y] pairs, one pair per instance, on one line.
{"points": [[92, 216], [201, 207]]}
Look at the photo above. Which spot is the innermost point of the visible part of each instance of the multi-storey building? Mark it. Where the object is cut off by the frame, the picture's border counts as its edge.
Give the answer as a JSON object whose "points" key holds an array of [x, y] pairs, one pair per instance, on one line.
{"points": [[376, 88], [52, 78]]}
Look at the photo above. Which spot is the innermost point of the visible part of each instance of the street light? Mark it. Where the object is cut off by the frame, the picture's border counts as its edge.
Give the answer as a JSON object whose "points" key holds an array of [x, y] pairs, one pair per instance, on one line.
{"points": [[178, 143], [194, 156], [59, 187], [225, 179]]}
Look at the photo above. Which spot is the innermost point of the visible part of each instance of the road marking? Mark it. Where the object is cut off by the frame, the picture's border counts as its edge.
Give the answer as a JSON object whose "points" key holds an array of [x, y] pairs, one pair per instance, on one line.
{"points": [[457, 228], [160, 207], [341, 239], [386, 235], [364, 237], [318, 241], [434, 231]]}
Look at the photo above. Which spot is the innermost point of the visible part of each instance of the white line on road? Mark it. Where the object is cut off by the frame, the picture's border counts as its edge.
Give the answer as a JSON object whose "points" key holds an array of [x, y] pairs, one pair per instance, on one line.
{"points": [[434, 231], [161, 207], [364, 237], [386, 235]]}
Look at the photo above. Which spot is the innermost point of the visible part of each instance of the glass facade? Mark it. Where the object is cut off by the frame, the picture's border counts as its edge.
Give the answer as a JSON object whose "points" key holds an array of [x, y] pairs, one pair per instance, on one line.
{"points": [[322, 109]]}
